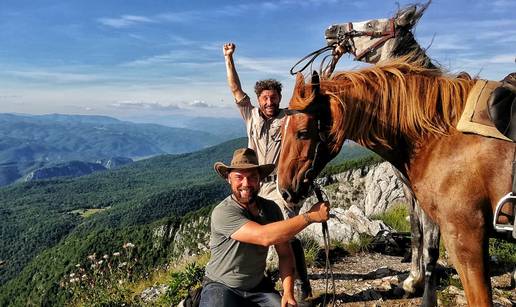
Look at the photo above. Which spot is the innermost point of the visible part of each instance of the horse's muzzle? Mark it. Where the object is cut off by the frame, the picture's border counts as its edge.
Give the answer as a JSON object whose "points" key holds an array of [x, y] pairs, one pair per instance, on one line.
{"points": [[302, 192], [287, 196], [331, 35]]}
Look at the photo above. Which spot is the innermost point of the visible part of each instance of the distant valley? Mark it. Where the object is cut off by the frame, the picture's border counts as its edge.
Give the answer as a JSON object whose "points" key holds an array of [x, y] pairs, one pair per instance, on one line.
{"points": [[31, 142]]}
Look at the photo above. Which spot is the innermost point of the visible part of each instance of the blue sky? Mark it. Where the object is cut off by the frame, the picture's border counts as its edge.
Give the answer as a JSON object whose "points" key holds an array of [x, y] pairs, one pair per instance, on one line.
{"points": [[144, 59]]}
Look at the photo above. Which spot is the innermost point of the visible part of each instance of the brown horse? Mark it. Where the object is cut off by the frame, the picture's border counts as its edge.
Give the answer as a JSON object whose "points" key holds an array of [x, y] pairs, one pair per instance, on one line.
{"points": [[407, 114]]}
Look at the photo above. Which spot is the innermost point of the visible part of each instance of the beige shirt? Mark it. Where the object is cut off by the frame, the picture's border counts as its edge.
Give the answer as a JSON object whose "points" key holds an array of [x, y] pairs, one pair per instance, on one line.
{"points": [[264, 135]]}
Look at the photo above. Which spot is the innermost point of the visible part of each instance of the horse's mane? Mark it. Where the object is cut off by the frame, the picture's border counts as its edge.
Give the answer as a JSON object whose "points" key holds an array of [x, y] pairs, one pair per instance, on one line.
{"points": [[379, 104], [405, 43]]}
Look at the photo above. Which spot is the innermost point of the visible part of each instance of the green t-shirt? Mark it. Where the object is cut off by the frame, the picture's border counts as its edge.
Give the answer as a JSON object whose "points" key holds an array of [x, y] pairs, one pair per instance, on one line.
{"points": [[234, 263]]}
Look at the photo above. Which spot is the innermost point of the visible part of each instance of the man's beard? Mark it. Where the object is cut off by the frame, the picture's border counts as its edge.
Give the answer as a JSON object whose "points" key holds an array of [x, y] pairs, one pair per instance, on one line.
{"points": [[275, 110], [246, 198]]}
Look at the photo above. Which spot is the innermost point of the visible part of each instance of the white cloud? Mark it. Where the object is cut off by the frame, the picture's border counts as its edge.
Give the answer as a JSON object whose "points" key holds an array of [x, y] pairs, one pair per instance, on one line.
{"points": [[57, 77], [170, 57], [501, 59], [125, 21], [180, 17], [201, 104], [183, 58], [269, 66], [144, 105]]}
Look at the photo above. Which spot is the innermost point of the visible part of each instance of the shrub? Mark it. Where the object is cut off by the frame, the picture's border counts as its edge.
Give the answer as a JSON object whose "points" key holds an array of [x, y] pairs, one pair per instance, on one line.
{"points": [[359, 246], [182, 281], [503, 251], [311, 248], [395, 217]]}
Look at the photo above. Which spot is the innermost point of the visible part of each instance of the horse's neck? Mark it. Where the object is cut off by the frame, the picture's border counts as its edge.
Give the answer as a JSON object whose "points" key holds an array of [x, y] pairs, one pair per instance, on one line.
{"points": [[396, 150], [398, 154], [403, 44]]}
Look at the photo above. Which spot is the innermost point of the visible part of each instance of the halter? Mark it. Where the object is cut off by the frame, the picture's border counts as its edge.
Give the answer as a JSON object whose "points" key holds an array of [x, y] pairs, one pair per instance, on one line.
{"points": [[321, 147], [345, 38]]}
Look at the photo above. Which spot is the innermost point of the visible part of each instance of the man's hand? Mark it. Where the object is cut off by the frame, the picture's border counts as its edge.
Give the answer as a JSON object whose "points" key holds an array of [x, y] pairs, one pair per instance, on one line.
{"points": [[288, 300], [320, 212], [228, 49]]}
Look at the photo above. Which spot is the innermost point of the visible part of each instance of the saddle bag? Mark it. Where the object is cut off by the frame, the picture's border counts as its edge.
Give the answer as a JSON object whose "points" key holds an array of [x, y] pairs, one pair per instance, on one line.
{"points": [[502, 107]]}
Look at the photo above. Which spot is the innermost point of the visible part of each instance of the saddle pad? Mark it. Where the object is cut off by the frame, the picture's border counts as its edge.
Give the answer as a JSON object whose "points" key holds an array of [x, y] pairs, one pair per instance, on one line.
{"points": [[475, 118]]}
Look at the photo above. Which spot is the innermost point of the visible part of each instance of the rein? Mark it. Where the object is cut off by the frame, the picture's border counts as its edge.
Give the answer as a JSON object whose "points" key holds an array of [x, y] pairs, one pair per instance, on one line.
{"points": [[311, 56]]}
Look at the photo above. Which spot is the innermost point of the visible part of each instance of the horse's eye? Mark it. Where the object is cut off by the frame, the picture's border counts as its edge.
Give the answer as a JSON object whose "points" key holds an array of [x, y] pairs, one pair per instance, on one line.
{"points": [[302, 134]]}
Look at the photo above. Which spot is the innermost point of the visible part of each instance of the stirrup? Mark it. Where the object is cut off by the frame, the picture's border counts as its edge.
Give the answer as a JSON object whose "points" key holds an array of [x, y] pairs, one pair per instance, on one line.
{"points": [[509, 198]]}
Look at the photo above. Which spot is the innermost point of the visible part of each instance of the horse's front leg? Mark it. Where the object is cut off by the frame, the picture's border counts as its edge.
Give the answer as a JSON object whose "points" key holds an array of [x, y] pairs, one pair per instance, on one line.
{"points": [[467, 246]]}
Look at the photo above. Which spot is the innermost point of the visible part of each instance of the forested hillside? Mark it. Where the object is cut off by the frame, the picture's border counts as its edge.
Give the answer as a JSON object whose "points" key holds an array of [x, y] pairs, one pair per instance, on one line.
{"points": [[49, 226], [40, 214]]}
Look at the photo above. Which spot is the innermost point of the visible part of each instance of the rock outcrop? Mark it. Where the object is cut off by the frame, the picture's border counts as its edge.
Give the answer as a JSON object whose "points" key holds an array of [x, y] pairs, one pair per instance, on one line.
{"points": [[67, 169], [114, 162]]}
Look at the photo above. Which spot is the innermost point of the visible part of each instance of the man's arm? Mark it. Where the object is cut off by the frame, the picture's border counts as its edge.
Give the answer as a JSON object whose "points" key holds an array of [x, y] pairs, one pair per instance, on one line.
{"points": [[233, 80], [282, 231], [286, 268]]}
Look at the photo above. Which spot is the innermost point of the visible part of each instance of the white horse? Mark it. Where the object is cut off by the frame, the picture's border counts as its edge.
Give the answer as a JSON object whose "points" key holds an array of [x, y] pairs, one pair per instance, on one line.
{"points": [[373, 41]]}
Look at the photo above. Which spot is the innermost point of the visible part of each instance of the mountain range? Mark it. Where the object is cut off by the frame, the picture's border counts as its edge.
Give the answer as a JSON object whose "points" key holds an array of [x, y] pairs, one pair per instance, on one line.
{"points": [[30, 142]]}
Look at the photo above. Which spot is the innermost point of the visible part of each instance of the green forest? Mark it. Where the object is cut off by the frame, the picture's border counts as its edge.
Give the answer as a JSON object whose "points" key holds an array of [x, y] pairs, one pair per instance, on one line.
{"points": [[48, 226]]}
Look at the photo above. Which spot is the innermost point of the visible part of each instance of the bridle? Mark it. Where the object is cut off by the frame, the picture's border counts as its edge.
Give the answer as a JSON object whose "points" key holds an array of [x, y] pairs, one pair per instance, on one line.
{"points": [[346, 38], [322, 150]]}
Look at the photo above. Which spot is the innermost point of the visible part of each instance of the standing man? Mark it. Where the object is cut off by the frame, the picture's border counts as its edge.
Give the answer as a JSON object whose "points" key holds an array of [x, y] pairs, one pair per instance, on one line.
{"points": [[263, 126], [243, 226]]}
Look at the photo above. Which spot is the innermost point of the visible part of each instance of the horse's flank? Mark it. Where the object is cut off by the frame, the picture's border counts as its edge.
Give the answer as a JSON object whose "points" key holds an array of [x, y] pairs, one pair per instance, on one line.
{"points": [[389, 100]]}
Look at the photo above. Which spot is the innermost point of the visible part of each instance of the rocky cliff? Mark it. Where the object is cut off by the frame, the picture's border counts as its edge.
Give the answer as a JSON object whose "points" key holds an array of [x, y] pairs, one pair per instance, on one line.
{"points": [[67, 169], [76, 168]]}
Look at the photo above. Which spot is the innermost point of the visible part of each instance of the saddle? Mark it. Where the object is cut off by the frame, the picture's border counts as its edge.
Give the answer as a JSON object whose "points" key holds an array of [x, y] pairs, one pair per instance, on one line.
{"points": [[501, 107]]}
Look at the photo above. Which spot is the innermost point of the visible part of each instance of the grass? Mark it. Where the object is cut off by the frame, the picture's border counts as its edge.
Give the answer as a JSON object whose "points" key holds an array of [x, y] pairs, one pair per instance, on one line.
{"points": [[86, 213], [185, 276], [503, 251], [395, 217], [359, 246], [311, 248]]}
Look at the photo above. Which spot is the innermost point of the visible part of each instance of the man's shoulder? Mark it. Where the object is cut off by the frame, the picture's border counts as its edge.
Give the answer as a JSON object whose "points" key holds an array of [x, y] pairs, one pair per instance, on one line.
{"points": [[281, 114], [244, 101], [270, 207], [224, 205]]}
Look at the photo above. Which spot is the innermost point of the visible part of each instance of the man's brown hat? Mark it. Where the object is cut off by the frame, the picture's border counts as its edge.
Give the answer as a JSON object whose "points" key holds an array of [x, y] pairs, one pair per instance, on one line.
{"points": [[243, 158]]}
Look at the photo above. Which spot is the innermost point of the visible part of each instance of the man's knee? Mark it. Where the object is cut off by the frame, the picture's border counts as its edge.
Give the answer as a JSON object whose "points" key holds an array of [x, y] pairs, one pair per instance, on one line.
{"points": [[216, 294]]}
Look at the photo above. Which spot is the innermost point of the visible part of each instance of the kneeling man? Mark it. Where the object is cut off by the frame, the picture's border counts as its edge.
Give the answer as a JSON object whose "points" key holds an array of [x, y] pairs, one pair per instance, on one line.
{"points": [[243, 226]]}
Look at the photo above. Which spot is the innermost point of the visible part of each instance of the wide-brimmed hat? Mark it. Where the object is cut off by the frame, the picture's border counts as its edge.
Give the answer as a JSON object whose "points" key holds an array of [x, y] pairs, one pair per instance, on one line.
{"points": [[243, 158]]}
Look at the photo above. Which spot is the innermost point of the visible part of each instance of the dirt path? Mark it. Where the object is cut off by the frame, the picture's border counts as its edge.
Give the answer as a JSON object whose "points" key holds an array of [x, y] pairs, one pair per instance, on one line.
{"points": [[370, 279]]}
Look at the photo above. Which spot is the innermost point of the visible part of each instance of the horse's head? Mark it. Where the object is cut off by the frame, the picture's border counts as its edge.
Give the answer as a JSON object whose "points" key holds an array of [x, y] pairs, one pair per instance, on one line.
{"points": [[373, 40], [305, 140]]}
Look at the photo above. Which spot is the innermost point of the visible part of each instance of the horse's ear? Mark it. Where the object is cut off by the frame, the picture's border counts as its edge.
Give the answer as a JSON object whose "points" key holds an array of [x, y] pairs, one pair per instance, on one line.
{"points": [[299, 89], [409, 16], [316, 86]]}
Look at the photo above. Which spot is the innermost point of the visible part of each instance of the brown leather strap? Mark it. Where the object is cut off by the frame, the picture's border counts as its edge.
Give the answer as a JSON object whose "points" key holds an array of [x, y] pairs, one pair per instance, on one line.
{"points": [[385, 36]]}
